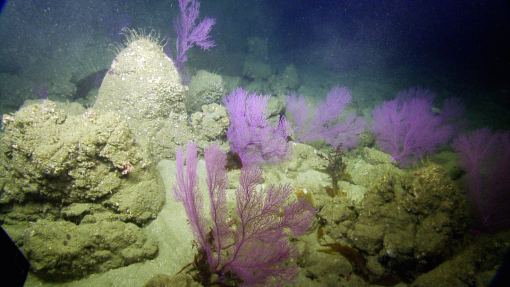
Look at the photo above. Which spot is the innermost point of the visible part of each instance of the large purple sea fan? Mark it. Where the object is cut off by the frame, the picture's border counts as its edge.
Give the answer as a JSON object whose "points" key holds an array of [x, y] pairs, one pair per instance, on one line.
{"points": [[250, 134], [408, 128], [252, 247], [326, 119], [485, 156]]}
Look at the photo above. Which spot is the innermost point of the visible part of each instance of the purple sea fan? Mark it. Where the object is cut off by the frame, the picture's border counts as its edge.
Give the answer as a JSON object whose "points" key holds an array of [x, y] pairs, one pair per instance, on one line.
{"points": [[188, 34], [254, 247], [187, 192], [262, 247], [485, 156], [250, 134], [217, 180], [408, 128], [323, 121]]}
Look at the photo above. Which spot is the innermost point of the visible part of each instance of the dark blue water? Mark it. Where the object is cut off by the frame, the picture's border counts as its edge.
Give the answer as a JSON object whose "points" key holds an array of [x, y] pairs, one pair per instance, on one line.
{"points": [[374, 47]]}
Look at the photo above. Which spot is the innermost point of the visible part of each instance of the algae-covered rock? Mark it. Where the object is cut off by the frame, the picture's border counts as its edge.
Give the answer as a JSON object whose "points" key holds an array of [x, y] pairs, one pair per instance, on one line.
{"points": [[142, 83], [286, 82], [430, 190], [62, 250], [368, 238], [143, 87], [80, 183], [211, 123], [205, 88], [406, 220], [426, 210], [56, 156], [257, 70]]}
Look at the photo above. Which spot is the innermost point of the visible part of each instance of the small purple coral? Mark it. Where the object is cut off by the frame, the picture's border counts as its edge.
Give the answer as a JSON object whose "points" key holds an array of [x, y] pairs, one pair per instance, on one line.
{"points": [[189, 34]]}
